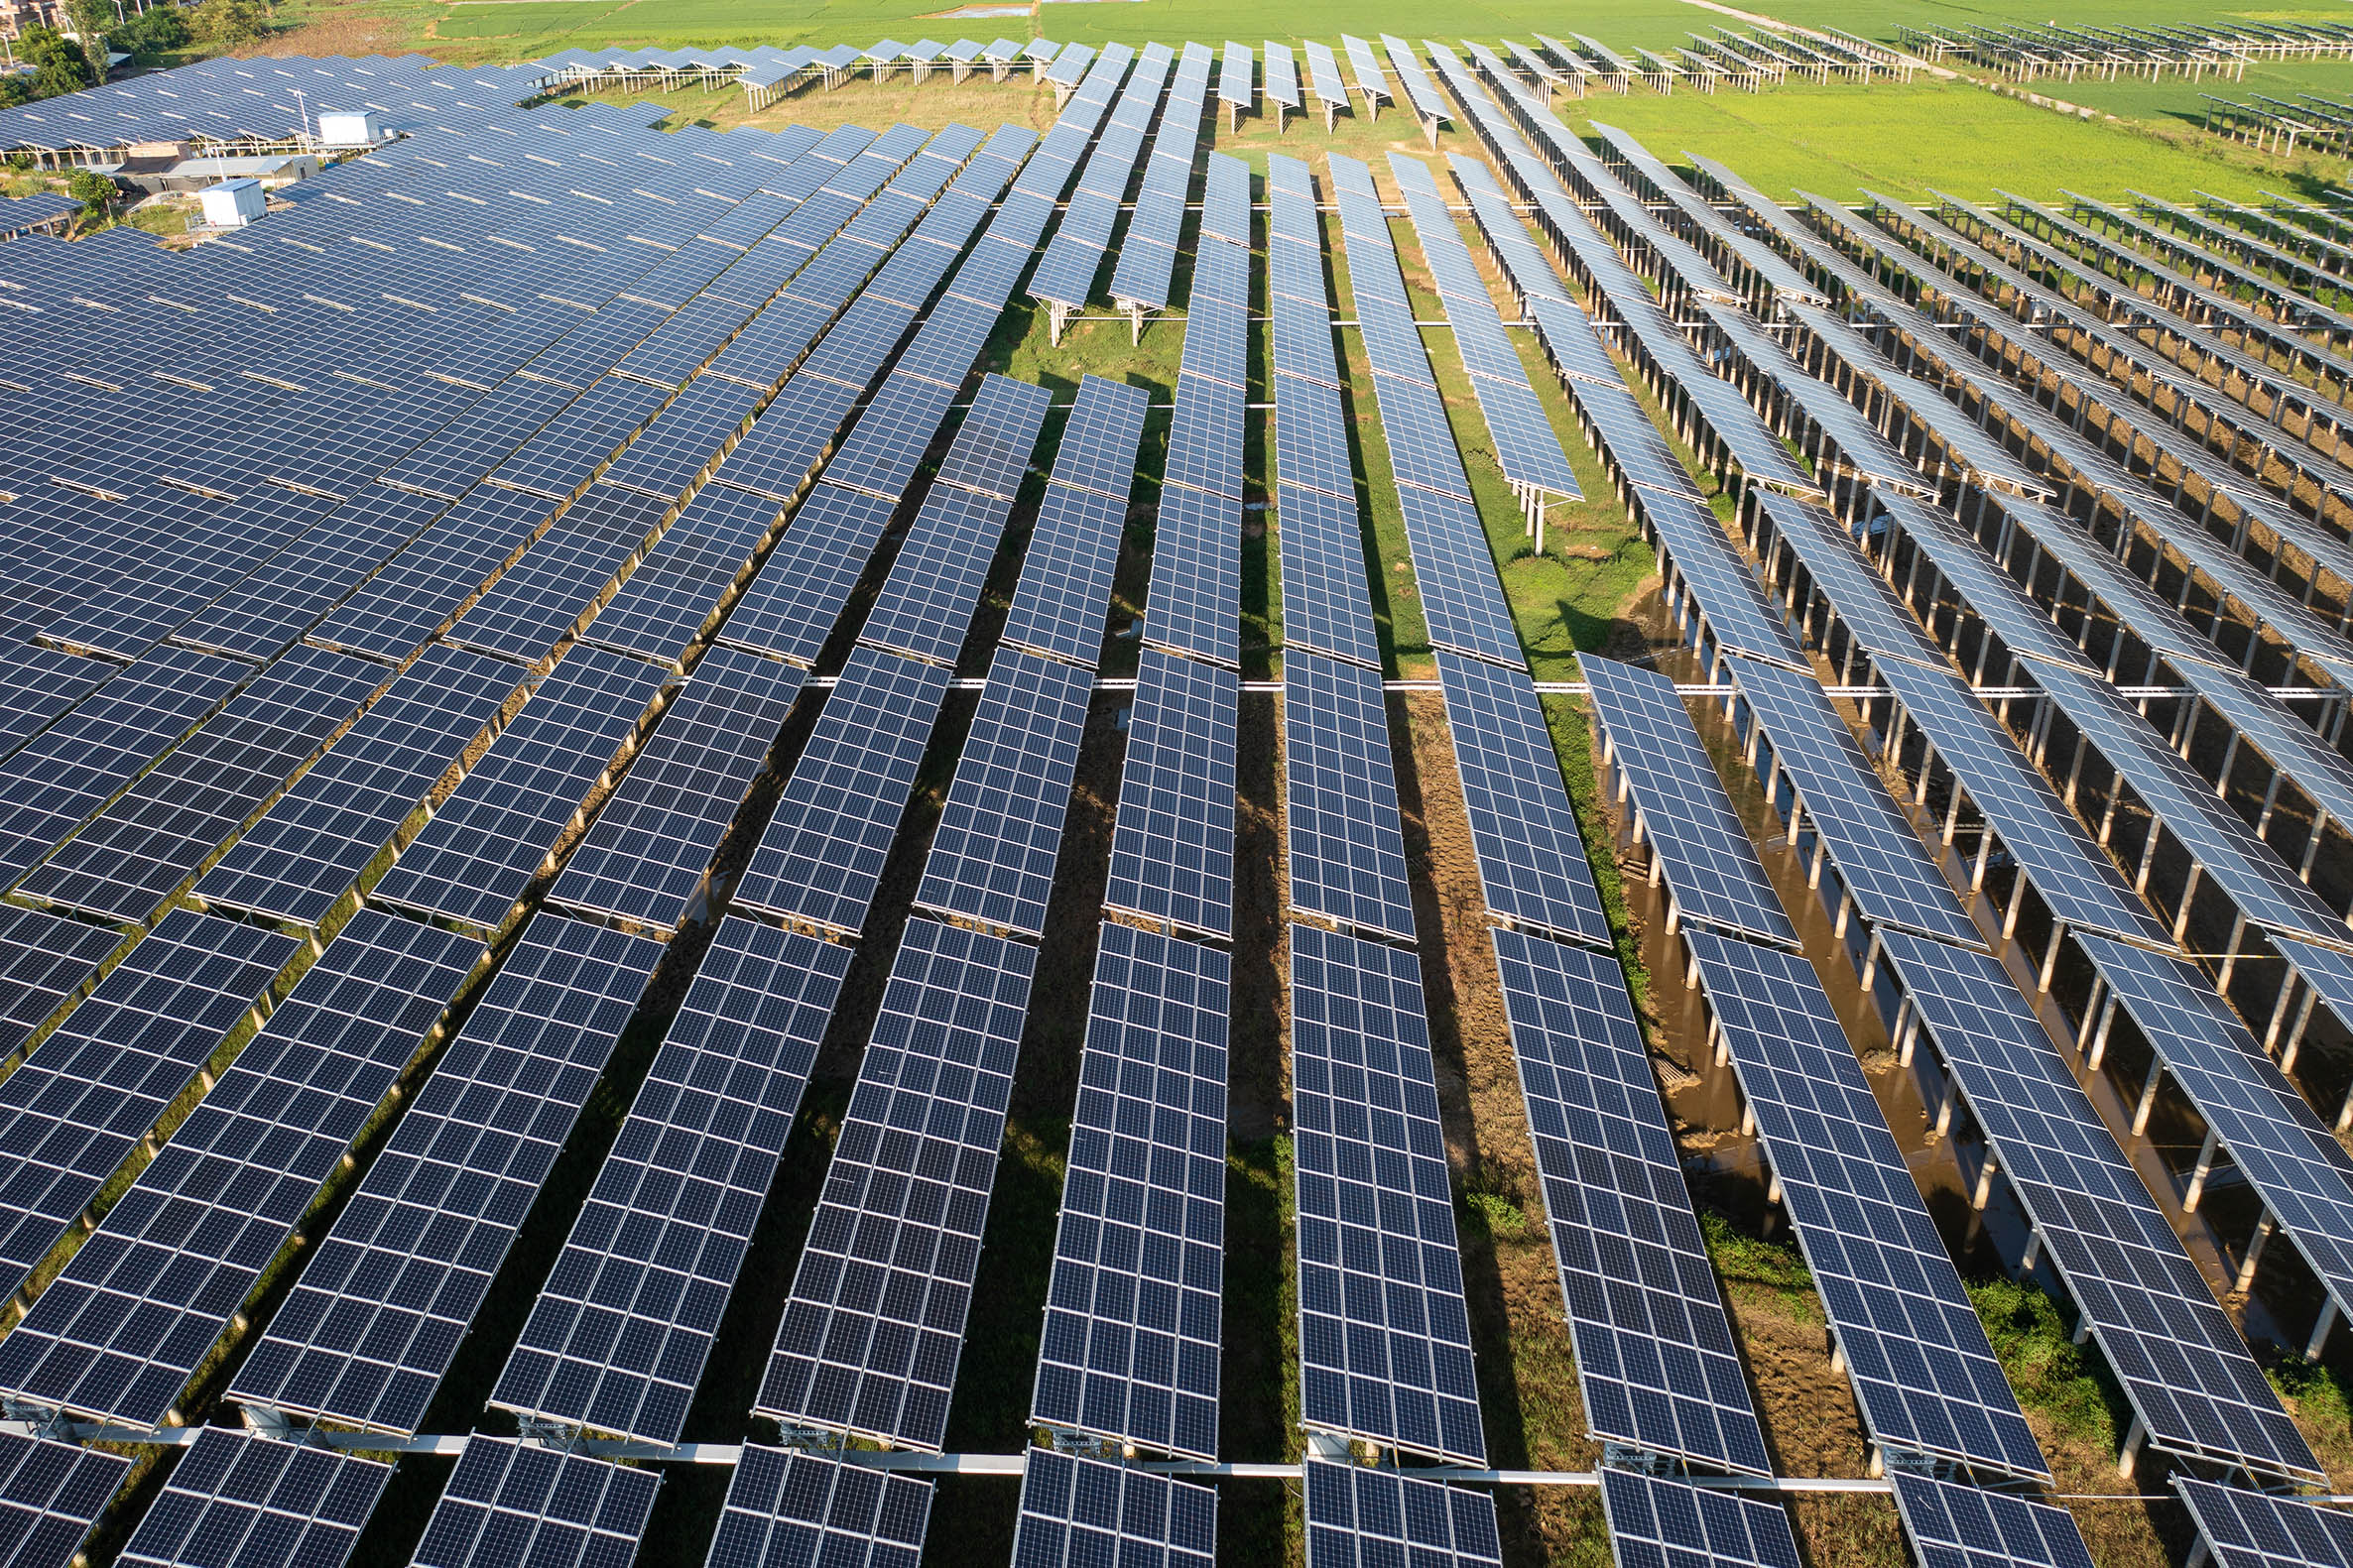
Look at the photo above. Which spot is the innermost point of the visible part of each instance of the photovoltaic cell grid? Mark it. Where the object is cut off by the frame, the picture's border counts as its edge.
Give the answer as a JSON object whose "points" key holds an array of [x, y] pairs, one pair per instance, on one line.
{"points": [[1195, 605], [1679, 803], [1384, 1337], [1076, 1511], [796, 1510], [1655, 1352], [822, 854], [645, 856], [992, 856], [874, 1327], [373, 1322], [1923, 1372], [1959, 1526], [1361, 1517], [2187, 1371], [2251, 1529], [50, 1494], [44, 960], [1132, 1315], [620, 1333], [1878, 856], [511, 1503], [122, 1327], [237, 1500], [1655, 1521], [1173, 841], [1347, 849], [1324, 604], [474, 861], [72, 1112]]}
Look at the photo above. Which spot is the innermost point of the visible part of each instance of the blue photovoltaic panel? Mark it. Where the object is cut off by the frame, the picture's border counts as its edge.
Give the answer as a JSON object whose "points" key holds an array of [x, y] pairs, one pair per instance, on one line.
{"points": [[677, 591], [422, 587], [789, 609], [1524, 831], [620, 1334], [1060, 603], [311, 846], [2251, 1529], [1655, 1352], [78, 1106], [645, 856], [542, 598], [992, 856], [1962, 1527], [1384, 1337], [875, 1324], [44, 960], [65, 774], [1098, 447], [372, 1325], [118, 1332], [1454, 573], [991, 452], [238, 1500], [1133, 1315], [821, 856], [1916, 1353], [1347, 850], [1362, 1518], [1173, 843], [50, 1494], [509, 1503], [797, 1509], [1658, 1521], [1325, 606], [494, 834], [927, 604], [1196, 576], [1679, 805], [1076, 1511]]}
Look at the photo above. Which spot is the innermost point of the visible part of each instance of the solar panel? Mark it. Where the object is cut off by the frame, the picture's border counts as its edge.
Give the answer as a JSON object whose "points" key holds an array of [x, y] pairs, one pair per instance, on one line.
{"points": [[784, 447], [1524, 830], [821, 856], [1655, 1353], [671, 598], [375, 1320], [1234, 79], [509, 1502], [1323, 75], [991, 452], [43, 961], [1959, 1526], [1325, 607], [318, 571], [1098, 447], [1916, 1353], [645, 857], [1196, 576], [1173, 843], [1384, 1337], [992, 855], [39, 683], [2253, 1529], [1878, 857], [1346, 844], [118, 1332], [237, 1500], [422, 587], [50, 1494], [306, 853], [1655, 1521], [1361, 1517], [1283, 75], [1731, 607], [927, 604], [575, 443], [72, 1113], [874, 1327], [65, 774], [620, 1334], [1076, 1510], [2069, 872], [789, 1508], [1679, 805], [495, 833], [1133, 1315], [789, 609]]}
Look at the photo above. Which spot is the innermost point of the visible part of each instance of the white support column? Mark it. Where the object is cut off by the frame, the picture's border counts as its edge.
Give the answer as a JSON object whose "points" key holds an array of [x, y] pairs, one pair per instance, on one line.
{"points": [[2199, 1175]]}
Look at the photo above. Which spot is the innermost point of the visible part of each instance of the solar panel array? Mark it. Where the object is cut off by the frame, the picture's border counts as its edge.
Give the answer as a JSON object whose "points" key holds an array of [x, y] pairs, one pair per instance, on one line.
{"points": [[801, 1507], [1076, 1510], [2253, 1529], [1147, 261], [1065, 274], [237, 1500], [1655, 1521], [1678, 804], [1923, 1372], [2189, 1377], [509, 1502], [1360, 1518]]}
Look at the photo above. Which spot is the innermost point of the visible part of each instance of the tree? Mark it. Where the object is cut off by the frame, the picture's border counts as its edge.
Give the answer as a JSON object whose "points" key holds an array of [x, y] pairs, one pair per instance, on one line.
{"points": [[94, 190], [58, 63], [150, 34], [230, 24]]}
